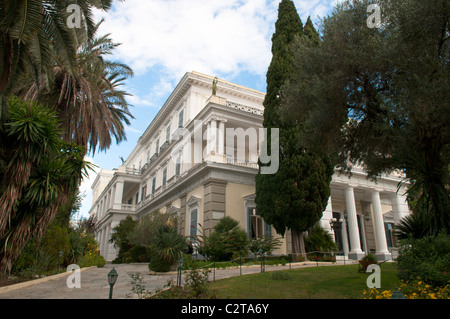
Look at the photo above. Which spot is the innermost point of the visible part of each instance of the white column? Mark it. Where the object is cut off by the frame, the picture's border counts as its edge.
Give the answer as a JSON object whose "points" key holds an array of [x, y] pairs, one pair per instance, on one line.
{"points": [[113, 195], [107, 243], [103, 243], [118, 195], [221, 133], [355, 252], [399, 207], [213, 137], [208, 140], [327, 215], [100, 240], [113, 252], [380, 234]]}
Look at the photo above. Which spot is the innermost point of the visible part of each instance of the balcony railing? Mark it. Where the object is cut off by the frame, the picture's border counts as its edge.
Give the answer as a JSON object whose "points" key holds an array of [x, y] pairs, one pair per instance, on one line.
{"points": [[128, 207], [132, 171], [243, 164]]}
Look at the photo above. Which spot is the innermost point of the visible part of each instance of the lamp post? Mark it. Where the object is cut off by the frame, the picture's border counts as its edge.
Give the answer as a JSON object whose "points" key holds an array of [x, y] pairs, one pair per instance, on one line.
{"points": [[180, 267], [336, 225], [261, 254], [112, 278]]}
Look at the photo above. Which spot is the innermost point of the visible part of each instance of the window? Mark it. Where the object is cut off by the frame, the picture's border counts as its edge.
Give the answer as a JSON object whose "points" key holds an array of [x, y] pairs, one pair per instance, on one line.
{"points": [[143, 192], [153, 185], [136, 199], [256, 226], [157, 146], [178, 166], [164, 177], [181, 118], [193, 225], [389, 229], [168, 133]]}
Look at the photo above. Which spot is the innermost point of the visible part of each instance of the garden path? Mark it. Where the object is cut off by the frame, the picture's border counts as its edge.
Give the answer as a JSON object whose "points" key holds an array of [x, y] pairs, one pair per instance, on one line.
{"points": [[94, 283]]}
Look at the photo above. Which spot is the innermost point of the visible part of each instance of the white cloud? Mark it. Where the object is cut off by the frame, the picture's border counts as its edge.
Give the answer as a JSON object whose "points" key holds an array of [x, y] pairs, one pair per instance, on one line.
{"points": [[135, 100], [209, 36], [133, 130]]}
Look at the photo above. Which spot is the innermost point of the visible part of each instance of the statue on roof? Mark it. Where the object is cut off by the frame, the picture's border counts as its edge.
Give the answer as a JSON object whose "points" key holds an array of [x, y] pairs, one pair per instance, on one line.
{"points": [[214, 86]]}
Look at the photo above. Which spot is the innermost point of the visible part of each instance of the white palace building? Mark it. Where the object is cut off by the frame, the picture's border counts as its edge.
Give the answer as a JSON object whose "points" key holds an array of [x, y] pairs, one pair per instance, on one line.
{"points": [[198, 159]]}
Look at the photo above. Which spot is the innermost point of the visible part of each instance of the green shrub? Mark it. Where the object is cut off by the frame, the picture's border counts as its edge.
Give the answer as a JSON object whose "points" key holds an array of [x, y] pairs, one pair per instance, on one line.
{"points": [[427, 258], [120, 238], [158, 264], [166, 249], [56, 239], [91, 260], [138, 254], [197, 279], [319, 239], [371, 258], [265, 245], [225, 241]]}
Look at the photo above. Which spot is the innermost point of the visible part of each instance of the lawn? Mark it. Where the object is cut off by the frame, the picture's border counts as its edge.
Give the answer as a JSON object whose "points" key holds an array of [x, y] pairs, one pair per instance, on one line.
{"points": [[328, 282]]}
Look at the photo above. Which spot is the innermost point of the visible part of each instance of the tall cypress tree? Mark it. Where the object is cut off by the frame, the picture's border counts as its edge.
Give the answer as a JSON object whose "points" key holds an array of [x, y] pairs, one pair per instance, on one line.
{"points": [[294, 197]]}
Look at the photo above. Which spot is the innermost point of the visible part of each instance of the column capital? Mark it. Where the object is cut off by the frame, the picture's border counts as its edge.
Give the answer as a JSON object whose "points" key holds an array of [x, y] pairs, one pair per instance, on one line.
{"points": [[351, 185], [376, 190]]}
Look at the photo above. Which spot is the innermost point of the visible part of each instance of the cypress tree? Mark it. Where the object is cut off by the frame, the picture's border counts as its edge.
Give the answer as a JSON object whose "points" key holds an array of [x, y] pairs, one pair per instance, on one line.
{"points": [[294, 197]]}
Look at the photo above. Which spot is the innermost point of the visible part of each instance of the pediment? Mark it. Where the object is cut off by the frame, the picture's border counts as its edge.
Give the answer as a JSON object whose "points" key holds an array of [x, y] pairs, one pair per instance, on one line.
{"points": [[193, 200], [173, 210]]}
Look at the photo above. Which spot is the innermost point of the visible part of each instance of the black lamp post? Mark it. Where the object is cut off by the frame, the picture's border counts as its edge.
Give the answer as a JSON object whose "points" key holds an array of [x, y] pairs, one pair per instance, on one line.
{"points": [[261, 254], [112, 278], [179, 270], [336, 225]]}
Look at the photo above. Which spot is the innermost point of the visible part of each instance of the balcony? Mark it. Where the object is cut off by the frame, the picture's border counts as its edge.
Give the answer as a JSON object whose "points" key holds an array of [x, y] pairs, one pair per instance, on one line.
{"points": [[132, 171], [164, 146], [242, 164]]}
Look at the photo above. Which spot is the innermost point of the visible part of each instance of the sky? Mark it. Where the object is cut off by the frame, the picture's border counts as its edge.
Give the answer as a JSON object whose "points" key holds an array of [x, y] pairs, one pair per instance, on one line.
{"points": [[161, 40]]}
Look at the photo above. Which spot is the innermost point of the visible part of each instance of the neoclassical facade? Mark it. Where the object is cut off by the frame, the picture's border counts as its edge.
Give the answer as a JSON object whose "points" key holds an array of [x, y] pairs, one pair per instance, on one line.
{"points": [[197, 160]]}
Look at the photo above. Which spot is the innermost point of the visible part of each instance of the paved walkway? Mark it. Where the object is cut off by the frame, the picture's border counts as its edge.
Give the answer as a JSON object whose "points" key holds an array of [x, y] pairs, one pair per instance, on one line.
{"points": [[94, 283]]}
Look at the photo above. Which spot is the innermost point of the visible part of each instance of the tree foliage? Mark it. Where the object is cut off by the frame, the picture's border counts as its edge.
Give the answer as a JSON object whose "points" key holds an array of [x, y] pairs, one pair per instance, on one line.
{"points": [[38, 173], [34, 32], [294, 197], [225, 240], [378, 97], [91, 105]]}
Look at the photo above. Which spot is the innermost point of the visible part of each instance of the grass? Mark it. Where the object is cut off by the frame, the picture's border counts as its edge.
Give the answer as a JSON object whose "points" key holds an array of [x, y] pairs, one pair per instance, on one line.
{"points": [[327, 282]]}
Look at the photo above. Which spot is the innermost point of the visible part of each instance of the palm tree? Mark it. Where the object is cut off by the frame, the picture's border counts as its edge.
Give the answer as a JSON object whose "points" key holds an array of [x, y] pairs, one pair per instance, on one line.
{"points": [[37, 179], [416, 225], [91, 106], [32, 32]]}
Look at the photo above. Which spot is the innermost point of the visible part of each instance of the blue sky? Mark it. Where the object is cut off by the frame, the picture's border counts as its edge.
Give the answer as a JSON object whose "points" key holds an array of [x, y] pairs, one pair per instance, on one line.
{"points": [[161, 40]]}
